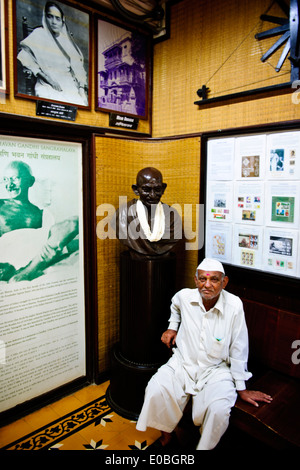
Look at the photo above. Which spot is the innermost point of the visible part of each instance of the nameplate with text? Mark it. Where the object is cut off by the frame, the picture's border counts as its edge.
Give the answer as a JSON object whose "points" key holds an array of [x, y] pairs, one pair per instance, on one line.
{"points": [[117, 120], [55, 110]]}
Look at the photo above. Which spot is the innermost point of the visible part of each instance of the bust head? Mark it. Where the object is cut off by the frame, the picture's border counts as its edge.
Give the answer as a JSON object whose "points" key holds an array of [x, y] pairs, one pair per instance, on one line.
{"points": [[155, 230], [149, 186]]}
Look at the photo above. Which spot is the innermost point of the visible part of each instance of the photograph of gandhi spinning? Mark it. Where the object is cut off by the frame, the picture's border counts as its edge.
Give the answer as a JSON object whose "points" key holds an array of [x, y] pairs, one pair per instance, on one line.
{"points": [[30, 240], [53, 51]]}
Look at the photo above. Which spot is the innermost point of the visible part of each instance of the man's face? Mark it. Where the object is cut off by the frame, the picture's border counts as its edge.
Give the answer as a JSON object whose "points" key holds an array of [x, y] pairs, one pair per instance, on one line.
{"points": [[210, 284], [150, 190], [16, 182]]}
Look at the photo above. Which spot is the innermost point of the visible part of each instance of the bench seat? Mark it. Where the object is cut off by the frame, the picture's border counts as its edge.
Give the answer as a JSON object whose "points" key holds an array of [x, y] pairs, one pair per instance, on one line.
{"points": [[272, 332], [275, 424]]}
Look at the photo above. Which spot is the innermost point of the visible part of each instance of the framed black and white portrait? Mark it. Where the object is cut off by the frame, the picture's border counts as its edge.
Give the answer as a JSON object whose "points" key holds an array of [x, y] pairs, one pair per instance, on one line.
{"points": [[52, 52], [123, 67], [4, 84]]}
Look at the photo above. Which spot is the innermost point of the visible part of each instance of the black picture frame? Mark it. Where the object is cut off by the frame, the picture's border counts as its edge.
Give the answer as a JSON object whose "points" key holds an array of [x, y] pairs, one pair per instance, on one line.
{"points": [[236, 270], [4, 51], [123, 67], [58, 71], [25, 129]]}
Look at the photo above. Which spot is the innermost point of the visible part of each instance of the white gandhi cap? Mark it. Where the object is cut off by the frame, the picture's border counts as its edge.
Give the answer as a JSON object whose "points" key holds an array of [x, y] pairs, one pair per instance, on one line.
{"points": [[209, 264]]}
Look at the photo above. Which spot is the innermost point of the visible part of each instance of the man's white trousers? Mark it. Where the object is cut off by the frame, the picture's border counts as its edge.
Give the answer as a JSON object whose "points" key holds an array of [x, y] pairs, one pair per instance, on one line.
{"points": [[166, 398]]}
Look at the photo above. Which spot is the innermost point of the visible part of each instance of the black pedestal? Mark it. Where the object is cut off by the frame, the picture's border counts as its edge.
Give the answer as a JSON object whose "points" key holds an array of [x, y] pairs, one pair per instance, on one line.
{"points": [[147, 286]]}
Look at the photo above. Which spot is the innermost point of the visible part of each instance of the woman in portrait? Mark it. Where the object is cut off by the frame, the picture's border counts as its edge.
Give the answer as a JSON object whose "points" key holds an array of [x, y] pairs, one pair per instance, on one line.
{"points": [[57, 63]]}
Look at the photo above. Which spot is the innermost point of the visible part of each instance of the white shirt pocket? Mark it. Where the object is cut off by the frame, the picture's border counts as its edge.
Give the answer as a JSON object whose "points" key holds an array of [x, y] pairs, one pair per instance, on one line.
{"points": [[216, 347]]}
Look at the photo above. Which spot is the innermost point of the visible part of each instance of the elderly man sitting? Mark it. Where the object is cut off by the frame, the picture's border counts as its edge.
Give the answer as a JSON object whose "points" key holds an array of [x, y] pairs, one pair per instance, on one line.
{"points": [[209, 363]]}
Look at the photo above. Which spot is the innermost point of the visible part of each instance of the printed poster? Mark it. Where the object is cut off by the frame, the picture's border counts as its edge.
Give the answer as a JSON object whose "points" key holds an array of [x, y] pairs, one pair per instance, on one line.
{"points": [[220, 159], [249, 202], [283, 153], [248, 246], [281, 251], [219, 241], [252, 201], [282, 204], [42, 299], [250, 157], [220, 201]]}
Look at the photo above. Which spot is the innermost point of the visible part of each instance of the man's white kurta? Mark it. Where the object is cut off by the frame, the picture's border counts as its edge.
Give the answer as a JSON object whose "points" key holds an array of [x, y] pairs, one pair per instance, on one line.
{"points": [[209, 340], [211, 346]]}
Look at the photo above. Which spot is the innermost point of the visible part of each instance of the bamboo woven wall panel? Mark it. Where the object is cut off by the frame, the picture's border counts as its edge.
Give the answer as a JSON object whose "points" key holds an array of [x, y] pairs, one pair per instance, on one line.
{"points": [[213, 42], [117, 164]]}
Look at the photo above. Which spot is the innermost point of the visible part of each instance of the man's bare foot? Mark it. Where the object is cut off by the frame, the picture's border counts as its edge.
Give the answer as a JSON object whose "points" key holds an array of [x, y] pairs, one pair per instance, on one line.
{"points": [[165, 438]]}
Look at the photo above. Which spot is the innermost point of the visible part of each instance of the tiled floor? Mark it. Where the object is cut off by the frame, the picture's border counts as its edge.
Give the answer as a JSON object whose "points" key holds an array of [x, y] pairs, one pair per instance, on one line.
{"points": [[82, 421]]}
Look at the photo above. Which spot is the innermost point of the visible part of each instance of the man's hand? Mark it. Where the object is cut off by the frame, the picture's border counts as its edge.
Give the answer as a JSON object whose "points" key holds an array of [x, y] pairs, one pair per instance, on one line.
{"points": [[252, 396], [169, 337]]}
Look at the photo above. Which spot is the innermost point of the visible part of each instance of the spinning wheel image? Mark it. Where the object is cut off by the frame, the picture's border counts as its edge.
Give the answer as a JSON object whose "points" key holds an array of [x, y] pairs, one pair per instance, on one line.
{"points": [[288, 30]]}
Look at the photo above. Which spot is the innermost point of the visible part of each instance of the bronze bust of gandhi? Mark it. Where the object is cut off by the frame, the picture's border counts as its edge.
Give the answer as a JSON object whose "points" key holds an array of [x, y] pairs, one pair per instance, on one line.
{"points": [[147, 226]]}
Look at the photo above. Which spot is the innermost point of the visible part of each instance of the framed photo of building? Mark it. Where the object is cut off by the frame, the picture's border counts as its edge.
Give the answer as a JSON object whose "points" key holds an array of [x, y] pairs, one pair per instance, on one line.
{"points": [[4, 84], [122, 71], [52, 52]]}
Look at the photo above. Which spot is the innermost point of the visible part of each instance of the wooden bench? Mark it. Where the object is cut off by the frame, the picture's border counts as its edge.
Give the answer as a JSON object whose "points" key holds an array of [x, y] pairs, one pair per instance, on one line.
{"points": [[272, 332], [276, 425]]}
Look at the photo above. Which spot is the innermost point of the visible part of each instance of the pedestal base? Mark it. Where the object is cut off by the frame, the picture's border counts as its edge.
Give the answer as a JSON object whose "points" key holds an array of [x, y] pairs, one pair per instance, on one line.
{"points": [[147, 286], [125, 393], [146, 289]]}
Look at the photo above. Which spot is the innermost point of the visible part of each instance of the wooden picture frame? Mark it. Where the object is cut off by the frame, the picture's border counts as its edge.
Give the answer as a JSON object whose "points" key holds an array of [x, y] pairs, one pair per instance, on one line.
{"points": [[4, 76], [122, 69], [52, 52], [242, 228], [56, 146]]}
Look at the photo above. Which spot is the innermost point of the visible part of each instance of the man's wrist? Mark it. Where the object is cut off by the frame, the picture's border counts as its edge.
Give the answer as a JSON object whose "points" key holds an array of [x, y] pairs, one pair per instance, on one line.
{"points": [[240, 385]]}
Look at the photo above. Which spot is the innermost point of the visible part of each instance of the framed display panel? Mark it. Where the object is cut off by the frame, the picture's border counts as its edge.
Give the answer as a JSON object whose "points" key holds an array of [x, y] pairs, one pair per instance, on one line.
{"points": [[52, 49], [252, 200], [45, 295], [123, 69], [4, 82]]}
